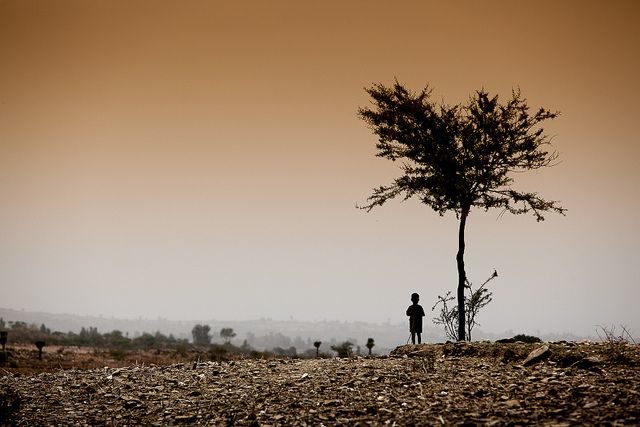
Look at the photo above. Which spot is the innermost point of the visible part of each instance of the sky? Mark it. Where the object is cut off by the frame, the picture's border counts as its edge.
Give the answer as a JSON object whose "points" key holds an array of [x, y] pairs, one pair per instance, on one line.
{"points": [[203, 159]]}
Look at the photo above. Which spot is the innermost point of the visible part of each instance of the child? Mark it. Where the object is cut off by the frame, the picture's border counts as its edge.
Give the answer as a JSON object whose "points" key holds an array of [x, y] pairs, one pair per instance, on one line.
{"points": [[415, 313]]}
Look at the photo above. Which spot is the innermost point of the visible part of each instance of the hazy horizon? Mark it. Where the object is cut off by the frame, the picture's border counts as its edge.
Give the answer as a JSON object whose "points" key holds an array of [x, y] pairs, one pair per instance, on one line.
{"points": [[386, 333], [196, 160]]}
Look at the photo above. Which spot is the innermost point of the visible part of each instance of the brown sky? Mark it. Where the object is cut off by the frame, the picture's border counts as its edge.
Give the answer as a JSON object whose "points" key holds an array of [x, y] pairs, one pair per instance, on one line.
{"points": [[157, 150]]}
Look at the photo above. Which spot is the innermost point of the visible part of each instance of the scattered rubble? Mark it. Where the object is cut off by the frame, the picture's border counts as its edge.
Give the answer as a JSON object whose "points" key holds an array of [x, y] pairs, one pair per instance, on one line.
{"points": [[418, 385]]}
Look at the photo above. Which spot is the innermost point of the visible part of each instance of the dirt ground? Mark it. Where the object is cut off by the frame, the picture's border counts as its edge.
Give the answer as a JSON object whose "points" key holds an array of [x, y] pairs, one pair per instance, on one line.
{"points": [[432, 384]]}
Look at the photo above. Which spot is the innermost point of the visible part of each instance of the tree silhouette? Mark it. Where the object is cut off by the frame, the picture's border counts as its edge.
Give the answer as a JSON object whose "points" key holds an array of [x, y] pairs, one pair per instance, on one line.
{"points": [[201, 335], [3, 339], [459, 157], [370, 344], [317, 345], [227, 334], [40, 345]]}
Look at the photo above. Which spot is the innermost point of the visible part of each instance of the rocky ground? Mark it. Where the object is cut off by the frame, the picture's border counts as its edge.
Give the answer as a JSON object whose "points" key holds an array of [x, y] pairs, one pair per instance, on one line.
{"points": [[450, 384]]}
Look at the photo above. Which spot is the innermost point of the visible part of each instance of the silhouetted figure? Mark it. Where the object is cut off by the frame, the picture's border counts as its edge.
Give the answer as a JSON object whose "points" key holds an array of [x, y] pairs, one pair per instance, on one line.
{"points": [[415, 313]]}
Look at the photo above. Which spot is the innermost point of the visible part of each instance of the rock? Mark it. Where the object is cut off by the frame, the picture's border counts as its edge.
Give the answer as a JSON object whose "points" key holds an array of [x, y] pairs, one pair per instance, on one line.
{"points": [[591, 404], [508, 356], [185, 418], [512, 403], [590, 363], [537, 355]]}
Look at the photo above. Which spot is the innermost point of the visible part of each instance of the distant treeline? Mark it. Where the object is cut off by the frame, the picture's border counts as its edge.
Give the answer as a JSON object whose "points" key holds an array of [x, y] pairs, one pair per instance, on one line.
{"points": [[275, 344], [21, 332]]}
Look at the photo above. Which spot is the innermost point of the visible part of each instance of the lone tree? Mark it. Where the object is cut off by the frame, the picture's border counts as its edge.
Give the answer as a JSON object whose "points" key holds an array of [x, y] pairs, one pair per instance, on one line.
{"points": [[317, 345], [370, 344], [459, 157], [201, 335], [227, 334], [40, 345]]}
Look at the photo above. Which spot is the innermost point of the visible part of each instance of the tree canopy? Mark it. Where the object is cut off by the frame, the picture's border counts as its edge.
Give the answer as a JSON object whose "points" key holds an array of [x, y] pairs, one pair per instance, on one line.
{"points": [[460, 156]]}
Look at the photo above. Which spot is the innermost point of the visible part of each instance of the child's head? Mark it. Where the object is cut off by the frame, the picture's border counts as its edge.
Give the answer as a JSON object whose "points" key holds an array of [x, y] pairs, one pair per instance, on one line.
{"points": [[415, 298]]}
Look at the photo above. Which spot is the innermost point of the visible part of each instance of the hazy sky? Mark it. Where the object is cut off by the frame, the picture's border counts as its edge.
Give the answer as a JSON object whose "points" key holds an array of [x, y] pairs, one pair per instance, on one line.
{"points": [[202, 159]]}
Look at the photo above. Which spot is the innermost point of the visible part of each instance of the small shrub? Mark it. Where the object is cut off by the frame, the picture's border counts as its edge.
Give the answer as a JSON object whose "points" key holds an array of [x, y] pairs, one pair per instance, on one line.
{"points": [[616, 344], [344, 350], [118, 354], [182, 350], [530, 339], [218, 353]]}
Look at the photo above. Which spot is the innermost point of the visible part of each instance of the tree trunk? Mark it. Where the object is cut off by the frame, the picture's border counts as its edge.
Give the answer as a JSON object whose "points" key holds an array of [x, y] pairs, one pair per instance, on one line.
{"points": [[462, 276]]}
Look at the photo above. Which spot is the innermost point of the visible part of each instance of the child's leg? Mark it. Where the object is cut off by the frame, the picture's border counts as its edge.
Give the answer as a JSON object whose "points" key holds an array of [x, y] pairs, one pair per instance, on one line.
{"points": [[413, 338], [419, 338]]}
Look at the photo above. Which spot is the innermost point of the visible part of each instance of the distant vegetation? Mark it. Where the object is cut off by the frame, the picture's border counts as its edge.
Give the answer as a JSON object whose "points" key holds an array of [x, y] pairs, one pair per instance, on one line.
{"points": [[530, 339], [117, 344], [344, 349], [21, 332]]}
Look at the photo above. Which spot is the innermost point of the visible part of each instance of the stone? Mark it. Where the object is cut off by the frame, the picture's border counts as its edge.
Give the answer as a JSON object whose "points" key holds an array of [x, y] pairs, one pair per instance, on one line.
{"points": [[537, 355], [588, 363]]}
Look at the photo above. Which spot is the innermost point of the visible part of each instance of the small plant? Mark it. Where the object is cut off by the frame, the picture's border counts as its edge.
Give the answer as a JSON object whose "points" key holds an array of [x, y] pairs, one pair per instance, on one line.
{"points": [[473, 303], [181, 350], [217, 353], [317, 345], [616, 349], [118, 354], [610, 336]]}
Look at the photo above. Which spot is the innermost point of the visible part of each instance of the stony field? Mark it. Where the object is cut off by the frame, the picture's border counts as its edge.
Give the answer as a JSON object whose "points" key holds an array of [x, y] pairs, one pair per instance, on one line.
{"points": [[431, 384]]}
